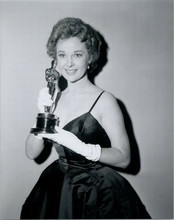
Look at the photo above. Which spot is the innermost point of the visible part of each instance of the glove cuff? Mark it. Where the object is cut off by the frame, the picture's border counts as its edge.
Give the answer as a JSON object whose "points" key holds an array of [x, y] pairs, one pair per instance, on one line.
{"points": [[95, 152]]}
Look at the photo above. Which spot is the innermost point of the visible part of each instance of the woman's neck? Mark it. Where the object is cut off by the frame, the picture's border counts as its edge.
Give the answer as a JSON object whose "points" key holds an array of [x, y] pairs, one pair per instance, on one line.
{"points": [[79, 86]]}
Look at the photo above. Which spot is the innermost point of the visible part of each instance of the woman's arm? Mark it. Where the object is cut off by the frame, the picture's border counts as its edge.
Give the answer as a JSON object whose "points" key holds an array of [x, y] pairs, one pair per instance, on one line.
{"points": [[113, 123], [33, 146]]}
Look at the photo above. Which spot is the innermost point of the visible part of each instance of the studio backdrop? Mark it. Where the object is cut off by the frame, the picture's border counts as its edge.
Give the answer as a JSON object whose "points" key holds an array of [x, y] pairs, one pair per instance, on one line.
{"points": [[138, 72]]}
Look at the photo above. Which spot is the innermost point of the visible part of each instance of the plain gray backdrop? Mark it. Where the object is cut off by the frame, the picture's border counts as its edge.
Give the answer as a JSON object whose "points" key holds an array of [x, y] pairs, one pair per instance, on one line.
{"points": [[138, 72]]}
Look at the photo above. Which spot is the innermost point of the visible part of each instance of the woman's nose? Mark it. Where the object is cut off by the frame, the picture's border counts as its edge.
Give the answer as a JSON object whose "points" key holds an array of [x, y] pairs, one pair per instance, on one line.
{"points": [[70, 61]]}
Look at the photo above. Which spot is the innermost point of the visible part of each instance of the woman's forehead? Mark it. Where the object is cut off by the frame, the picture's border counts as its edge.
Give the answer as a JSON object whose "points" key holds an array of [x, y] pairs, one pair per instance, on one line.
{"points": [[72, 43]]}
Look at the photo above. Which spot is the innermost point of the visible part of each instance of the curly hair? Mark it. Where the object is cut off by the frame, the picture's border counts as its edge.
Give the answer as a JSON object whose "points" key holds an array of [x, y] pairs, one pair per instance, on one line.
{"points": [[75, 27]]}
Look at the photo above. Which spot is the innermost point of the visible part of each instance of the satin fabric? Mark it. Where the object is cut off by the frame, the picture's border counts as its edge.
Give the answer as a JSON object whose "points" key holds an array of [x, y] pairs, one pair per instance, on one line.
{"points": [[73, 187]]}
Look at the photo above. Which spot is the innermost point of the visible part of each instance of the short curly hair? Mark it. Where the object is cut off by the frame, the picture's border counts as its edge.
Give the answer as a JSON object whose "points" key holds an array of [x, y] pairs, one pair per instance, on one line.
{"points": [[75, 27]]}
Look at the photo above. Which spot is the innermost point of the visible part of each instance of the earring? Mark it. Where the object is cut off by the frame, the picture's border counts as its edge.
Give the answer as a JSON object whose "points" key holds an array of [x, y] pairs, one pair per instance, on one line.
{"points": [[88, 66]]}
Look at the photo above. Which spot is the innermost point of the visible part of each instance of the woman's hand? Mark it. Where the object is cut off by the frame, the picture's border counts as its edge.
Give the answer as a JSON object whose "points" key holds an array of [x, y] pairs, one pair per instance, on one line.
{"points": [[44, 99], [62, 137], [71, 141]]}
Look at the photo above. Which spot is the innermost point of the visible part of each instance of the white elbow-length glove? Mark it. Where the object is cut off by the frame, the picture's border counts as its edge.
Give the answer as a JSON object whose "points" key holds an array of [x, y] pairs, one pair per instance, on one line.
{"points": [[71, 141], [44, 99]]}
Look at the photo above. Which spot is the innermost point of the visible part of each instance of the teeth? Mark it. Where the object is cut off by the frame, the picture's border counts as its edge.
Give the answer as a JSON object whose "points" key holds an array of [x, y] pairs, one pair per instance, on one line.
{"points": [[70, 71]]}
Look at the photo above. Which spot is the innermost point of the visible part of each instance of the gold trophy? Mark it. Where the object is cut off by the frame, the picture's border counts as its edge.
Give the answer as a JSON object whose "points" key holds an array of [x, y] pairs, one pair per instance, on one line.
{"points": [[46, 122]]}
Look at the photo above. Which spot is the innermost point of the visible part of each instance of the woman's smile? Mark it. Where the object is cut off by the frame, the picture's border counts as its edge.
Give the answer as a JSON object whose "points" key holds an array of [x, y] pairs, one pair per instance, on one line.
{"points": [[73, 58], [71, 71]]}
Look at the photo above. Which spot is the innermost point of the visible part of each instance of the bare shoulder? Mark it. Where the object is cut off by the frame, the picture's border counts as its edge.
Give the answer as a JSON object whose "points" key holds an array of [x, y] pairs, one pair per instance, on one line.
{"points": [[108, 99], [108, 106], [108, 96]]}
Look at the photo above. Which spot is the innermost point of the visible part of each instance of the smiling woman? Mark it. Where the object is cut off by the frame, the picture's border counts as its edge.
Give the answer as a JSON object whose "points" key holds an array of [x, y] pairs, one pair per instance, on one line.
{"points": [[91, 139], [73, 58]]}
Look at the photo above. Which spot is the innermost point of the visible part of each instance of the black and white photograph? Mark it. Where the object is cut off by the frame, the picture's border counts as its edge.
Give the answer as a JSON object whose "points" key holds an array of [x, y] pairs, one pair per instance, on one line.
{"points": [[86, 109]]}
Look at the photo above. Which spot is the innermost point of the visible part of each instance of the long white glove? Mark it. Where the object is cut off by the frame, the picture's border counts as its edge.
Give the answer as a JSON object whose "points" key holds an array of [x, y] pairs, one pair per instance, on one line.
{"points": [[45, 99], [69, 140]]}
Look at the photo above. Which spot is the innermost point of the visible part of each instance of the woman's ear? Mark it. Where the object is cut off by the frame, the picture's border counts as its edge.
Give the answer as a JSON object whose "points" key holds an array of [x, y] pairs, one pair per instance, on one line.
{"points": [[89, 62], [90, 59]]}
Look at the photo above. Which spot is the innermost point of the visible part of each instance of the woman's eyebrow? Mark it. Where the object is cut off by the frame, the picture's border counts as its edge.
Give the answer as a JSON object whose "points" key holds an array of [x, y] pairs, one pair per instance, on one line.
{"points": [[78, 51], [61, 51]]}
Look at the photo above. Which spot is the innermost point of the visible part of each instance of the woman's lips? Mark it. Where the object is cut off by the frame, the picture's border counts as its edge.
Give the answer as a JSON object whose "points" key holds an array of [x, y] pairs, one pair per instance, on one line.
{"points": [[71, 72]]}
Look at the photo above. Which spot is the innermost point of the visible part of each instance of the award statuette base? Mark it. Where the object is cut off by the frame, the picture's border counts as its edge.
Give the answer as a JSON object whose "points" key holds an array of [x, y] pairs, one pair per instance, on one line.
{"points": [[45, 123]]}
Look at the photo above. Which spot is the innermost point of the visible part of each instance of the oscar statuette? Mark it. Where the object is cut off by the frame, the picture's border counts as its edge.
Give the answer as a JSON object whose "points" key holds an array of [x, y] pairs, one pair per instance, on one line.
{"points": [[46, 122]]}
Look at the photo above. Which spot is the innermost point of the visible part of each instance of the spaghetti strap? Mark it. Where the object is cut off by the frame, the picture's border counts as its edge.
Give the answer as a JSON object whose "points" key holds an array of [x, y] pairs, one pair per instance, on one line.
{"points": [[96, 101]]}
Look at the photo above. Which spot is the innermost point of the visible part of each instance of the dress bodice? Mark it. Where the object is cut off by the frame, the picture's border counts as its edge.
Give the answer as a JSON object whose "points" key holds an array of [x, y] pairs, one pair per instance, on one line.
{"points": [[88, 129]]}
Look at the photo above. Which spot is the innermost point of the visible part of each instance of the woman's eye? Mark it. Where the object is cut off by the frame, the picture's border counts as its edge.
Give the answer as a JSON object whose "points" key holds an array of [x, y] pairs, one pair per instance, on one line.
{"points": [[78, 55], [61, 55]]}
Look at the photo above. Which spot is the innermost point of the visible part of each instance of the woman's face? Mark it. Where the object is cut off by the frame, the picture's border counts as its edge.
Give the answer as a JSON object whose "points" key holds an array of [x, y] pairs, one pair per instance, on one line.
{"points": [[73, 58]]}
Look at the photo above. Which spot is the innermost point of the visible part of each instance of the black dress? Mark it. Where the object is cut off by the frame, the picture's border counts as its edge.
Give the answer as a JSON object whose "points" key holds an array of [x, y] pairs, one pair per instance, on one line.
{"points": [[73, 187]]}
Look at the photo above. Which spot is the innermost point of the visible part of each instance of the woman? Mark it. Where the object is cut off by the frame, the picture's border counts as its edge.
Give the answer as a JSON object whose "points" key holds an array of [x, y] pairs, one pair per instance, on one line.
{"points": [[91, 139]]}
